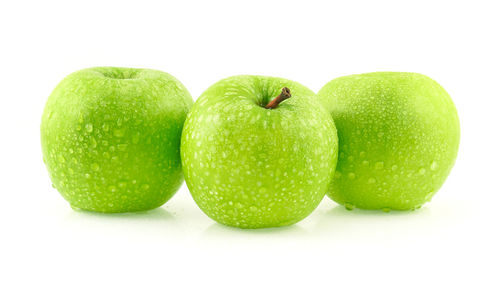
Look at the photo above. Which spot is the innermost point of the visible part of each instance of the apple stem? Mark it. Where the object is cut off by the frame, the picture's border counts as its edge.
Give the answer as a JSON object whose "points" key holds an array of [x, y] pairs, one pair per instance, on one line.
{"points": [[285, 94]]}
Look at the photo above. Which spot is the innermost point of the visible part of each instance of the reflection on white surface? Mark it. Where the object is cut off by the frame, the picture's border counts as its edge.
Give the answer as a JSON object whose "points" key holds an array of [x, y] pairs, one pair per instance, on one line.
{"points": [[181, 217]]}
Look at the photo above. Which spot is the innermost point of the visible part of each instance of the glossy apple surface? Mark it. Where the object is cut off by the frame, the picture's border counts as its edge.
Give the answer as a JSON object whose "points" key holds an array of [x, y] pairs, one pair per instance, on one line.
{"points": [[398, 139], [111, 138], [251, 167]]}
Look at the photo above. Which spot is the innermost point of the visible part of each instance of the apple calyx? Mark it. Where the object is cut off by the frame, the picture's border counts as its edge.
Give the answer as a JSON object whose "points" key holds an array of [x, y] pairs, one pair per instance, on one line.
{"points": [[285, 94]]}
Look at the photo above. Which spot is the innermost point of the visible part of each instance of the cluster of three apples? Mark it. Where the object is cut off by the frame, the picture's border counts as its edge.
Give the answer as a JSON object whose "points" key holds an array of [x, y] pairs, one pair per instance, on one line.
{"points": [[255, 151]]}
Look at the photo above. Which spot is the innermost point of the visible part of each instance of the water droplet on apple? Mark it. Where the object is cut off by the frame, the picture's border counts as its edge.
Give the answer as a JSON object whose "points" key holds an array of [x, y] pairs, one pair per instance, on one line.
{"points": [[87, 176], [239, 205], [112, 189], [366, 163], [75, 208], [349, 206], [253, 208], [379, 165], [386, 210], [371, 181], [93, 142], [122, 147], [434, 166], [89, 127], [61, 159], [394, 167], [421, 171], [338, 174], [351, 176], [362, 154], [145, 187]]}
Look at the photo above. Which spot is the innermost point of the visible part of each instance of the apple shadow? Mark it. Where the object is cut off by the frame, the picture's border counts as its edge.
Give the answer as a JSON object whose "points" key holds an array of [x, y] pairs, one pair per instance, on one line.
{"points": [[149, 215], [337, 222], [156, 223], [216, 230], [342, 211], [152, 220]]}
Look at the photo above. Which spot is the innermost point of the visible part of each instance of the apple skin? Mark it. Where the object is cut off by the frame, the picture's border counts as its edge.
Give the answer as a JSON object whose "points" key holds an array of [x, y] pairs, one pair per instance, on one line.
{"points": [[251, 167], [111, 138], [398, 139]]}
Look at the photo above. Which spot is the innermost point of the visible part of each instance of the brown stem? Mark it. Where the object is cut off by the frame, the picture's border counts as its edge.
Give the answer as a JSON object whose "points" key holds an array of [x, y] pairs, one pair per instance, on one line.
{"points": [[285, 94]]}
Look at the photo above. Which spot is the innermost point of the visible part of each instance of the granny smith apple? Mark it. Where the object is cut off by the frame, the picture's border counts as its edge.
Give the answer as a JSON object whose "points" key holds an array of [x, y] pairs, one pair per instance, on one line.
{"points": [[258, 151], [111, 138], [398, 139]]}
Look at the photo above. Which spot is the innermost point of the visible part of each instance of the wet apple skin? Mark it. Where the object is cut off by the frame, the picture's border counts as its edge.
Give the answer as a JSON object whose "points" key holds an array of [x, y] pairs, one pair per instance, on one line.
{"points": [[398, 134], [251, 167], [111, 138]]}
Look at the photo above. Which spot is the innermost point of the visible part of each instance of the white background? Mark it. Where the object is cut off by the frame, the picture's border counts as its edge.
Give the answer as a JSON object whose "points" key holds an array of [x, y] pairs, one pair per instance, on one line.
{"points": [[452, 240]]}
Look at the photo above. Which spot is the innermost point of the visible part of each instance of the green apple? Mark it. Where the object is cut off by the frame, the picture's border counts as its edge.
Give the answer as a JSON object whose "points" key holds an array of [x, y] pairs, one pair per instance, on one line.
{"points": [[255, 157], [398, 139], [111, 138]]}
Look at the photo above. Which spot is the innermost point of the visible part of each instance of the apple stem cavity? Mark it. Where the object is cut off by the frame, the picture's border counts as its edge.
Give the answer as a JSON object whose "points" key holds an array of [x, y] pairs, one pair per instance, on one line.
{"points": [[284, 95]]}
